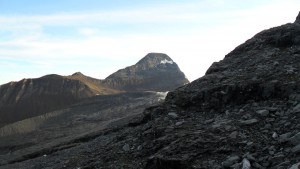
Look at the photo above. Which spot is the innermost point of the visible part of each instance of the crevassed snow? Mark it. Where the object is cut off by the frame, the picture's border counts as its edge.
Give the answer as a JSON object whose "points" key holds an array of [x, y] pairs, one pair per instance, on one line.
{"points": [[166, 61]]}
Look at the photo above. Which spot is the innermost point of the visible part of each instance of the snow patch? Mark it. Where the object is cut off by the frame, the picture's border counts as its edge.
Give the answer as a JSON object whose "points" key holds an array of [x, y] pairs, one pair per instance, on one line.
{"points": [[161, 95], [166, 61]]}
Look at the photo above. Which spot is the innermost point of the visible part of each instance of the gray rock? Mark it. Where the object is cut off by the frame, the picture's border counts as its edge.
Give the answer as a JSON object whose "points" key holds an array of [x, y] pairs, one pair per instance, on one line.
{"points": [[140, 147], [246, 164], [228, 128], [173, 115], [295, 140], [256, 165], [236, 166], [276, 158], [248, 122], [270, 119], [263, 113], [295, 166], [231, 161], [274, 135], [234, 134], [209, 121], [296, 149], [284, 137], [295, 97], [281, 165], [250, 157], [296, 109], [126, 147], [179, 123]]}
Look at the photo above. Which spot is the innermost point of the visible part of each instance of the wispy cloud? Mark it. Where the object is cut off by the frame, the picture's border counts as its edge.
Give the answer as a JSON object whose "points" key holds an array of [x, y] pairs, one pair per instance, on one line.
{"points": [[99, 42]]}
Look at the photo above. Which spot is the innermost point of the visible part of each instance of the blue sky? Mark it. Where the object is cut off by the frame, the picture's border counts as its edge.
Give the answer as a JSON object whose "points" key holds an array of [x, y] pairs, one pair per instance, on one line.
{"points": [[98, 37]]}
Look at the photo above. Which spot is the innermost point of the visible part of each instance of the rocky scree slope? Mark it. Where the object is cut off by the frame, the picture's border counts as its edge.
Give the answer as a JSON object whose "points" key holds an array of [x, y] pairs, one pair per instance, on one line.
{"points": [[266, 66], [243, 113], [155, 72], [70, 127]]}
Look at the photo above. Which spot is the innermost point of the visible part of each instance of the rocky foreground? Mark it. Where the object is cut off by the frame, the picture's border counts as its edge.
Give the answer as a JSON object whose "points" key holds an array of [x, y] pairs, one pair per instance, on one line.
{"points": [[244, 113]]}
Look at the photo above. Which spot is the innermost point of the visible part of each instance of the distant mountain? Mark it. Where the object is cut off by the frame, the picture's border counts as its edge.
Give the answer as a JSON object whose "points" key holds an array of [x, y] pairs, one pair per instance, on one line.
{"points": [[155, 72], [32, 97]]}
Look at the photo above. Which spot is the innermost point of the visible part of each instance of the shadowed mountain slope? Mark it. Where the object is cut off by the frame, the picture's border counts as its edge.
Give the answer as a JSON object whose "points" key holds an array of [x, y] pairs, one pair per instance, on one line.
{"points": [[155, 72], [31, 97]]}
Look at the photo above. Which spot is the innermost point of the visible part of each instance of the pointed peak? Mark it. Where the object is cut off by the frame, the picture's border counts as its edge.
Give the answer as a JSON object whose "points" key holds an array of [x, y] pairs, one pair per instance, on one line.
{"points": [[161, 56], [152, 59], [77, 74], [298, 18]]}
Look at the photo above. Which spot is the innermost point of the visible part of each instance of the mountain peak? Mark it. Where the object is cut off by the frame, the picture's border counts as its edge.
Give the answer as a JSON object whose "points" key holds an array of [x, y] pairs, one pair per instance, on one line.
{"points": [[298, 18], [153, 55], [154, 59], [157, 68], [77, 74]]}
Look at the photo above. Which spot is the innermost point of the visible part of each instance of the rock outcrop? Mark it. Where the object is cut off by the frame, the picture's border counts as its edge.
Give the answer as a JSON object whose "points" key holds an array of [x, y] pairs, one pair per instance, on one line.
{"points": [[155, 72]]}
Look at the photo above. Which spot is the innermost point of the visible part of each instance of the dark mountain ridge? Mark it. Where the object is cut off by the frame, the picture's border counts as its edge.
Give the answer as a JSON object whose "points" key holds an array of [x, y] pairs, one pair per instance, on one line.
{"points": [[30, 97], [155, 72]]}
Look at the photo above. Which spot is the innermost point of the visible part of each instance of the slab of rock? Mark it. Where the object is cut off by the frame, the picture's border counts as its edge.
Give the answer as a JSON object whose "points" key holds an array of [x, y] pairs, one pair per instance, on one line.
{"points": [[295, 140], [234, 134], [173, 115], [248, 122], [231, 161], [246, 164], [284, 137], [263, 113], [296, 149], [296, 109], [295, 166], [126, 147]]}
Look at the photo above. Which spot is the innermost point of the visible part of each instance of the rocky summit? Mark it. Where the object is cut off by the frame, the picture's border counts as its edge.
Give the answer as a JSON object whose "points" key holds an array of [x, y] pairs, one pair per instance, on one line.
{"points": [[244, 113], [155, 72]]}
